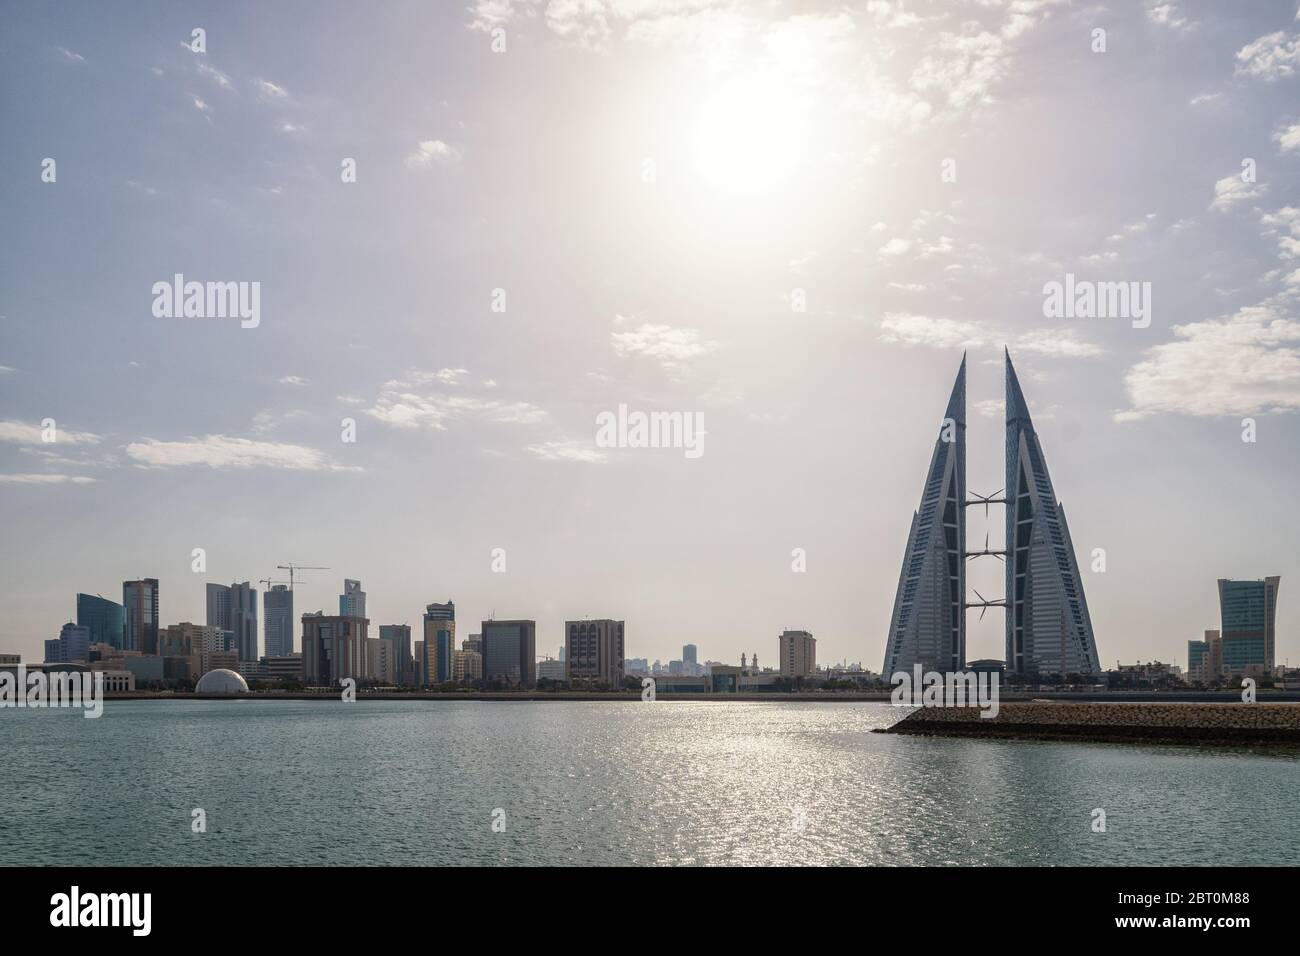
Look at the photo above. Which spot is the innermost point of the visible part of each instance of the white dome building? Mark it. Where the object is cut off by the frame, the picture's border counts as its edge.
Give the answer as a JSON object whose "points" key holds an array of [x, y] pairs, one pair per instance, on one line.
{"points": [[221, 681]]}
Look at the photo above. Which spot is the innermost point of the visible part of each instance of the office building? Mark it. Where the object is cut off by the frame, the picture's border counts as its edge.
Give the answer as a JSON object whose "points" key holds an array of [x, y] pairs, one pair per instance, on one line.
{"points": [[106, 620], [352, 602], [467, 666], [277, 609], [399, 637], [549, 669], [439, 642], [232, 610], [1198, 660], [140, 601], [593, 652], [334, 647], [1248, 614], [510, 652], [798, 652], [285, 668], [72, 646]]}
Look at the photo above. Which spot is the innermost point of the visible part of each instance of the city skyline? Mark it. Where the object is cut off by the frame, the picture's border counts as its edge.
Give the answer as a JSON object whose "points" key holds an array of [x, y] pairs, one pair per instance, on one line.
{"points": [[789, 221]]}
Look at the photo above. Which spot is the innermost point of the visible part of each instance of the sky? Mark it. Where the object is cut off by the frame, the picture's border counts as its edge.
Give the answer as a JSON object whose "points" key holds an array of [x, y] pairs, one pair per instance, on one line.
{"points": [[787, 218]]}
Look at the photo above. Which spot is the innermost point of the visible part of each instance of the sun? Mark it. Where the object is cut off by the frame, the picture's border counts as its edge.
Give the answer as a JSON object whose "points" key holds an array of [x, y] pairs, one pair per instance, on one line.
{"points": [[750, 136]]}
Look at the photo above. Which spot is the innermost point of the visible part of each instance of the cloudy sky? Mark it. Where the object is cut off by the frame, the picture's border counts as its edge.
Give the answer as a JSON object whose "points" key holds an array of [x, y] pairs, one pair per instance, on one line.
{"points": [[789, 217]]}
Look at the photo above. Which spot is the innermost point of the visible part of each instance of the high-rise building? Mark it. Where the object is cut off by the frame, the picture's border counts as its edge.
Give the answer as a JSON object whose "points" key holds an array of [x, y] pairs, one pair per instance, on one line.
{"points": [[1248, 613], [334, 647], [1198, 659], [399, 636], [467, 666], [928, 625], [1048, 629], [593, 651], [218, 614], [510, 652], [140, 600], [1214, 658], [439, 642], [690, 654], [232, 609], [243, 619], [105, 619], [549, 669], [72, 646], [798, 651], [277, 608], [352, 602]]}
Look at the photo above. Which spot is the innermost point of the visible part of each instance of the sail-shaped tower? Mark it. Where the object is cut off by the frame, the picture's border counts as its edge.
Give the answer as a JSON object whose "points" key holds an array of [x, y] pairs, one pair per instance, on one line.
{"points": [[1048, 627], [928, 626]]}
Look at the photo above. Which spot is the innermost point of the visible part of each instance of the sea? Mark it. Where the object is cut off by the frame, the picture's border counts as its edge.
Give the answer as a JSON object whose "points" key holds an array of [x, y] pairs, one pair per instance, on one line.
{"points": [[503, 783]]}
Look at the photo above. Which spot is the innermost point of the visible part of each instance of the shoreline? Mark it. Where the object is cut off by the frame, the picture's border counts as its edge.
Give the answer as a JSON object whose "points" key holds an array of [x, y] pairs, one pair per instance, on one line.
{"points": [[1266, 724], [849, 697]]}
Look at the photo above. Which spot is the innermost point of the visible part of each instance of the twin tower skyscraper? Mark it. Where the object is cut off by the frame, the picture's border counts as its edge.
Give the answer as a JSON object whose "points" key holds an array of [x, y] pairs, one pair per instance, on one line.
{"points": [[1048, 630]]}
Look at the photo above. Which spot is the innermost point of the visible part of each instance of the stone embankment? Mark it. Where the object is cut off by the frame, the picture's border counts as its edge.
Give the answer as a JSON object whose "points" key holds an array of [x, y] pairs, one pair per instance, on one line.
{"points": [[1235, 723]]}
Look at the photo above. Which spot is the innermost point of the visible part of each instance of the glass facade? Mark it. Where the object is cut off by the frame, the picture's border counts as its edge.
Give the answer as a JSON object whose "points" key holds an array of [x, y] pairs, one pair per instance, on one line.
{"points": [[1247, 610], [105, 619]]}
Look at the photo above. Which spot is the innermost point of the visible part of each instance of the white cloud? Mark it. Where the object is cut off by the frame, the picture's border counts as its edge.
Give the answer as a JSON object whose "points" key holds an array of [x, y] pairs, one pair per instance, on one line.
{"points": [[432, 152], [215, 75], [895, 247], [400, 405], [1246, 363], [1288, 139], [292, 380], [26, 434], [1231, 190], [991, 407], [47, 479], [1063, 343], [270, 91], [1285, 224], [904, 328], [907, 329], [1167, 14], [74, 57], [222, 452], [567, 451], [1201, 99], [1270, 57], [668, 346]]}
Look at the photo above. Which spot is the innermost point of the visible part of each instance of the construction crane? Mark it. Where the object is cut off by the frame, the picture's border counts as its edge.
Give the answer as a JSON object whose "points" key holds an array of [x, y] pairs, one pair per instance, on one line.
{"points": [[298, 567], [267, 582]]}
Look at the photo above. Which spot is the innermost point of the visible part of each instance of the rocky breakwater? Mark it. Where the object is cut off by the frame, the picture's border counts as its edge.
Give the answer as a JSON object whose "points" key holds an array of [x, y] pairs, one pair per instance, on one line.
{"points": [[1236, 723]]}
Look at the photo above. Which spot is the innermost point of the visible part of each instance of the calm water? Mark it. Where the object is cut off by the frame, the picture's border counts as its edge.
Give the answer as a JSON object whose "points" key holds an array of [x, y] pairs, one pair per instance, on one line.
{"points": [[601, 783]]}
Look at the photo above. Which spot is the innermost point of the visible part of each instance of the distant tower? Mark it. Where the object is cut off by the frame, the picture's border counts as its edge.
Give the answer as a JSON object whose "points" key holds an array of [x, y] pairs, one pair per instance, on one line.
{"points": [[928, 626], [742, 661], [352, 602]]}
